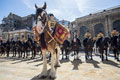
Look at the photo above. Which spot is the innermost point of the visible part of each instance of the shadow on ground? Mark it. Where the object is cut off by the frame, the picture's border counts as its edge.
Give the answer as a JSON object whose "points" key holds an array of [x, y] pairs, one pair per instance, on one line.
{"points": [[95, 63], [109, 62], [76, 63]]}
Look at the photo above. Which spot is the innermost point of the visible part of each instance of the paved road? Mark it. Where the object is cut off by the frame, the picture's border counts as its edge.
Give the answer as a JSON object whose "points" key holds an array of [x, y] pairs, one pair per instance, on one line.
{"points": [[29, 69]]}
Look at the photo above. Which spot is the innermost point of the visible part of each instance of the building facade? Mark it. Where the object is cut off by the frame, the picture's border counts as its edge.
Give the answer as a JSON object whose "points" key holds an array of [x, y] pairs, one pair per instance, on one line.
{"points": [[18, 34], [15, 22], [103, 21]]}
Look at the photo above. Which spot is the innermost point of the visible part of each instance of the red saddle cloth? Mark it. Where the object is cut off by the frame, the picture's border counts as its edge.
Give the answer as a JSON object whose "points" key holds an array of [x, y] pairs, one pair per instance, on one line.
{"points": [[61, 33]]}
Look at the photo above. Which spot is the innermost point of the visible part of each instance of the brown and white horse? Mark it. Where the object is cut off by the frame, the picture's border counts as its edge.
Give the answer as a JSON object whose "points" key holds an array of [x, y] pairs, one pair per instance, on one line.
{"points": [[46, 42]]}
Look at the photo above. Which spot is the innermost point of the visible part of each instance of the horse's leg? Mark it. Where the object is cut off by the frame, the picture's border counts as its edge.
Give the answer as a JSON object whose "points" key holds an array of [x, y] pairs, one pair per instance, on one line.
{"points": [[117, 56], [86, 54], [66, 51], [7, 53], [27, 53], [106, 54], [15, 52], [44, 70], [24, 54], [114, 52], [74, 54], [52, 73], [94, 50], [62, 54], [57, 64], [91, 55], [18, 54], [102, 57], [77, 54], [67, 54], [34, 53], [97, 50], [108, 50]]}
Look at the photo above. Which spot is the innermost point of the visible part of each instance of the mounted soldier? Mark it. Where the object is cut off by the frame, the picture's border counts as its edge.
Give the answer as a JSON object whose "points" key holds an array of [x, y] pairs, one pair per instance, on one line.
{"points": [[115, 44], [75, 44], [103, 44], [51, 24], [88, 45]]}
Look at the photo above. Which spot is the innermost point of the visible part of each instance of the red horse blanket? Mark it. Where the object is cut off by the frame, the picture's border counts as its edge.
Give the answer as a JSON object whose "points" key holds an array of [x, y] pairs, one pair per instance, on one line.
{"points": [[61, 33]]}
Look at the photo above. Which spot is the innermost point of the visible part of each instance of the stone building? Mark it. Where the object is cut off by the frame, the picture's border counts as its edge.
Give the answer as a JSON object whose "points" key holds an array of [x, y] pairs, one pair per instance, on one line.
{"points": [[18, 34], [15, 22], [14, 26], [103, 21]]}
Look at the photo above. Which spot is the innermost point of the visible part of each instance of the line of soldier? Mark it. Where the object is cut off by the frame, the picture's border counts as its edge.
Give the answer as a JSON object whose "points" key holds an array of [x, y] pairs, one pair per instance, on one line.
{"points": [[101, 35]]}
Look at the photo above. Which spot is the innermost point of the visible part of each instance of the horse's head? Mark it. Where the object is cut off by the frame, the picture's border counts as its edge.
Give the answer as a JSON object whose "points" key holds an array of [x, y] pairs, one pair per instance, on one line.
{"points": [[41, 18]]}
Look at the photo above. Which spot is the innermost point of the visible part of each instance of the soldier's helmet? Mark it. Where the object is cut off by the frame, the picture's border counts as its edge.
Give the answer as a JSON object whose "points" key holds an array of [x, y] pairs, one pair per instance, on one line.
{"points": [[114, 28], [51, 15]]}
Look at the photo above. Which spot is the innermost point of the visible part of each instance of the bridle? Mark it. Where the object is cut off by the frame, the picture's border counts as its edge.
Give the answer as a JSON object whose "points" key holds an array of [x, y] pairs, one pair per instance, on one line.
{"points": [[42, 18]]}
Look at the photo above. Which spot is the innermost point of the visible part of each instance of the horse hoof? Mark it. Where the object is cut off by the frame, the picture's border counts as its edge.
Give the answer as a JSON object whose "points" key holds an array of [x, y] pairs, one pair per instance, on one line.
{"points": [[52, 77], [57, 65], [43, 77]]}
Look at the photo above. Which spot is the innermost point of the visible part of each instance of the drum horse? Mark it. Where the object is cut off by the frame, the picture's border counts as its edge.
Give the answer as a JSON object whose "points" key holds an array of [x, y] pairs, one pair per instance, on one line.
{"points": [[47, 42]]}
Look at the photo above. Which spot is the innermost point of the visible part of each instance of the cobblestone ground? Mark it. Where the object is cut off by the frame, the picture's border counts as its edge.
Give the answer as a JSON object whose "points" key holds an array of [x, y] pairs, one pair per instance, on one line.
{"points": [[29, 69]]}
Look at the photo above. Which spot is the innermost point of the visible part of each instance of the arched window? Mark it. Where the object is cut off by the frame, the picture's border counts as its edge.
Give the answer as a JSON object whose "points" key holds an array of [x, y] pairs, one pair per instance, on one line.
{"points": [[98, 27], [83, 30], [116, 24]]}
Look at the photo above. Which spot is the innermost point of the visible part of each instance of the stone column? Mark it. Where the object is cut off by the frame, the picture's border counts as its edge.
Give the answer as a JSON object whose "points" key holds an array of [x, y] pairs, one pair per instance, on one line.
{"points": [[106, 26]]}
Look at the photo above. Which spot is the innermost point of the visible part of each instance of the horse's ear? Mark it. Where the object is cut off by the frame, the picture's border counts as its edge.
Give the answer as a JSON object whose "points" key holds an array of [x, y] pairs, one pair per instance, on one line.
{"points": [[36, 6], [44, 7]]}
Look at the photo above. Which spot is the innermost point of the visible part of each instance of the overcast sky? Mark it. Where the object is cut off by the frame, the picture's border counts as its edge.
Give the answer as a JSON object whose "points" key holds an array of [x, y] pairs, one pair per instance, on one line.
{"points": [[62, 9]]}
